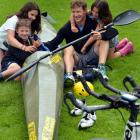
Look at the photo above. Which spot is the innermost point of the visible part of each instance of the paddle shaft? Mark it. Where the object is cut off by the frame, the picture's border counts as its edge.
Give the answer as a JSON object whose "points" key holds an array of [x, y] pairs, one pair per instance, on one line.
{"points": [[116, 21], [44, 56]]}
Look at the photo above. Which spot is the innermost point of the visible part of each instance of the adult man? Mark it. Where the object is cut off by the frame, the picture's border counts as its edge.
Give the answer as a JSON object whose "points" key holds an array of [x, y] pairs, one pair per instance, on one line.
{"points": [[96, 53], [85, 25]]}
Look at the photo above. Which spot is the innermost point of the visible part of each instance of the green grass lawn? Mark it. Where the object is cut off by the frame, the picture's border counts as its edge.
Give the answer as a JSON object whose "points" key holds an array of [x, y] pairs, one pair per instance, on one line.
{"points": [[109, 124]]}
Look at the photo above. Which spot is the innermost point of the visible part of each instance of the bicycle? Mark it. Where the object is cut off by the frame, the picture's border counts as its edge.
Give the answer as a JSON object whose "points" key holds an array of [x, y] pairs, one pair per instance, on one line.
{"points": [[124, 99]]}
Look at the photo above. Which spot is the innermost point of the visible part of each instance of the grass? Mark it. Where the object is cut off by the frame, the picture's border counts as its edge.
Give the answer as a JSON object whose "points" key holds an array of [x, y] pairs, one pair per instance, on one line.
{"points": [[109, 124]]}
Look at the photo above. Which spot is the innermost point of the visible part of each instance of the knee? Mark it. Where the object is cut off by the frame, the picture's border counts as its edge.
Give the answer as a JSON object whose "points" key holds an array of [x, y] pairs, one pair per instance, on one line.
{"points": [[15, 67], [69, 51]]}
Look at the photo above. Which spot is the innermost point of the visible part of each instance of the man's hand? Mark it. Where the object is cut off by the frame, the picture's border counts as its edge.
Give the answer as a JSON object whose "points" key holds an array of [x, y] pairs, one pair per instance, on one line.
{"points": [[96, 35]]}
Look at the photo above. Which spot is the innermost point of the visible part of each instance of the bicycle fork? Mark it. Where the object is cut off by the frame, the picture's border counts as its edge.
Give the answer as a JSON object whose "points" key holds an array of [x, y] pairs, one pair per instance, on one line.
{"points": [[132, 131]]}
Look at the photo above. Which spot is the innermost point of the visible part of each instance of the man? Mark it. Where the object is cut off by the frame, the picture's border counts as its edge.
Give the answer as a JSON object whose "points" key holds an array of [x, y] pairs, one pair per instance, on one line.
{"points": [[72, 54], [96, 53]]}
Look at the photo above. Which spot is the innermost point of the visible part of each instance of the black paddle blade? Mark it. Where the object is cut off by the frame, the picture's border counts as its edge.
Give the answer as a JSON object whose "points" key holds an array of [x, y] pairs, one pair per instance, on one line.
{"points": [[126, 17]]}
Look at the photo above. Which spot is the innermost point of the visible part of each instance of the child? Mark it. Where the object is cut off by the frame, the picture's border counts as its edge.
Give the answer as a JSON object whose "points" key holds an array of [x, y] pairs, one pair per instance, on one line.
{"points": [[101, 12], [15, 57], [30, 11]]}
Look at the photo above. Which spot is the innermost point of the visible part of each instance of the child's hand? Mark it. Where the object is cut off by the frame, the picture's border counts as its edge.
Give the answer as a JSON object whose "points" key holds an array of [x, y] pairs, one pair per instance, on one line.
{"points": [[30, 49], [37, 43]]}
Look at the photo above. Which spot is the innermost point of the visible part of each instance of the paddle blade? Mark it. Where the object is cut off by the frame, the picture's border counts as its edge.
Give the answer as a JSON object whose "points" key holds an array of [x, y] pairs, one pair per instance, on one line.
{"points": [[126, 17]]}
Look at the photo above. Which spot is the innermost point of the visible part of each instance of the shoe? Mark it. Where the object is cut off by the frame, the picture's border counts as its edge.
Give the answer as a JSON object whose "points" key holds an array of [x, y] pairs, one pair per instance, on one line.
{"points": [[68, 80], [76, 111], [1, 77], [121, 44], [87, 120], [102, 70], [127, 49]]}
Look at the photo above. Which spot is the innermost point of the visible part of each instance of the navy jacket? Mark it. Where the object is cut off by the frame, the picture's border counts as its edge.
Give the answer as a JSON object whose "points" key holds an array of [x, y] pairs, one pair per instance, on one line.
{"points": [[69, 36]]}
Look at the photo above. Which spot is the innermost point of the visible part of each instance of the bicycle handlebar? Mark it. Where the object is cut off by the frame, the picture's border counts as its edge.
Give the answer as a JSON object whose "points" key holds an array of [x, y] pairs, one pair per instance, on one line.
{"points": [[109, 87], [125, 100], [82, 106], [114, 103]]}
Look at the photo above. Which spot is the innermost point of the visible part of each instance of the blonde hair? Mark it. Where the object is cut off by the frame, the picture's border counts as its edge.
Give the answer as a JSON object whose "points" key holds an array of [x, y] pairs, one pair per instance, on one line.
{"points": [[23, 22], [79, 3]]}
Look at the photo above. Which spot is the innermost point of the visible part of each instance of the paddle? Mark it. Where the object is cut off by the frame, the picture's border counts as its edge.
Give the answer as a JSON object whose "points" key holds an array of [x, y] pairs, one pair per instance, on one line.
{"points": [[124, 18]]}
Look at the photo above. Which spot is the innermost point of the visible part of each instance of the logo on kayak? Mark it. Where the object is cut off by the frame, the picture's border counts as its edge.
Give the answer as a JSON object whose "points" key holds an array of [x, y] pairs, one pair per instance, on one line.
{"points": [[32, 131], [55, 59], [48, 129]]}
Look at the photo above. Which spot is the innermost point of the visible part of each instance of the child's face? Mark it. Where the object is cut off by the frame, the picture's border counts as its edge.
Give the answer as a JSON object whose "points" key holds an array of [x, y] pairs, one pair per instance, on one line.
{"points": [[23, 32], [32, 14], [95, 12]]}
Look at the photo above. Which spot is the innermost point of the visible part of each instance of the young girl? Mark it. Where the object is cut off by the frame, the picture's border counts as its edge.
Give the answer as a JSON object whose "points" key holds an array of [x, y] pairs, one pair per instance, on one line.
{"points": [[7, 31], [15, 57], [101, 12]]}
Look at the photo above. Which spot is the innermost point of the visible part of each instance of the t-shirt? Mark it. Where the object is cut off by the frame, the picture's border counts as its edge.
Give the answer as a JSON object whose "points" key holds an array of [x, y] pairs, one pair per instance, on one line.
{"points": [[10, 24], [113, 42]]}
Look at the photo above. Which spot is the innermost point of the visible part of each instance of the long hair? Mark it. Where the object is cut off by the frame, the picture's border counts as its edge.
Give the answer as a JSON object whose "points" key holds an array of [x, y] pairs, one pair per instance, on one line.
{"points": [[23, 13], [103, 11]]}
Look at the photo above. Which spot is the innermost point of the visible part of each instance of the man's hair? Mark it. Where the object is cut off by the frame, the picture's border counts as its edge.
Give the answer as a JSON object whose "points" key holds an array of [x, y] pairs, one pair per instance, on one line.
{"points": [[79, 3]]}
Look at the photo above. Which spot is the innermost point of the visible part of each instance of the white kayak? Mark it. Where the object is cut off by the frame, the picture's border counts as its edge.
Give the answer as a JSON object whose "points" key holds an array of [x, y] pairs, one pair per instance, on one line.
{"points": [[43, 91]]}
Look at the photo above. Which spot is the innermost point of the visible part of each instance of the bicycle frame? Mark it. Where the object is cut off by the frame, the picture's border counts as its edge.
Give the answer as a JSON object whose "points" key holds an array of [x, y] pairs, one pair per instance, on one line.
{"points": [[132, 131], [125, 100]]}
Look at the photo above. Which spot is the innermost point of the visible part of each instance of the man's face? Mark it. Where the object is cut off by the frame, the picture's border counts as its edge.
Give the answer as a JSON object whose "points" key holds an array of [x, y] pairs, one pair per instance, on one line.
{"points": [[79, 14]]}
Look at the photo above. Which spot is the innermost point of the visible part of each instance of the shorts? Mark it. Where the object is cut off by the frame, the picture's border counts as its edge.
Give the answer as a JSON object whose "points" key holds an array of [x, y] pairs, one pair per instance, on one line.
{"points": [[7, 61], [113, 42], [90, 58]]}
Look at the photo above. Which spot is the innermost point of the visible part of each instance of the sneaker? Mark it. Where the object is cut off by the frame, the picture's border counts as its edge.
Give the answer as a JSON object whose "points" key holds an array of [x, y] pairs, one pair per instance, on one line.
{"points": [[87, 120], [68, 80], [121, 44], [102, 70], [76, 111], [127, 49], [1, 77]]}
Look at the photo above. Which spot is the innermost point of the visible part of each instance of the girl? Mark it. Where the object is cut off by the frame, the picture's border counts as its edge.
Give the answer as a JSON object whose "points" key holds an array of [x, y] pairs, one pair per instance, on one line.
{"points": [[15, 57], [101, 12], [7, 31]]}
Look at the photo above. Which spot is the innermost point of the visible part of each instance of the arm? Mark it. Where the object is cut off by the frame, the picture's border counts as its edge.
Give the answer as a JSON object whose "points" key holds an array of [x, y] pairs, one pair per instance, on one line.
{"points": [[94, 37], [60, 36], [89, 41], [14, 42], [109, 34], [73, 26]]}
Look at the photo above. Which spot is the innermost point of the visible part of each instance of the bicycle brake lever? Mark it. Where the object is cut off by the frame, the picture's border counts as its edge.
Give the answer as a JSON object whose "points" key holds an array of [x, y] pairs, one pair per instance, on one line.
{"points": [[130, 80]]}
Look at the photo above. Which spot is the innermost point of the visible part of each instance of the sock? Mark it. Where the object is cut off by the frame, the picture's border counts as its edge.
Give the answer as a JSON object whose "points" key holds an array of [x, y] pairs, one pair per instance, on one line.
{"points": [[69, 73]]}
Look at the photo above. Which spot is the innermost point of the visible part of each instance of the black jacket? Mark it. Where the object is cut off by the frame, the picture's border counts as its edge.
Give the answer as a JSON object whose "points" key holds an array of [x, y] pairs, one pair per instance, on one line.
{"points": [[66, 33]]}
